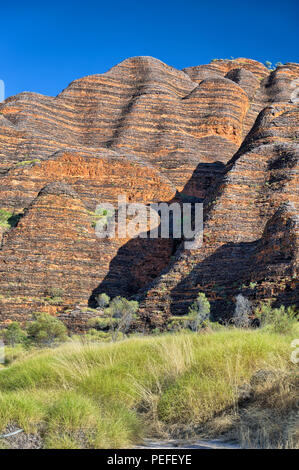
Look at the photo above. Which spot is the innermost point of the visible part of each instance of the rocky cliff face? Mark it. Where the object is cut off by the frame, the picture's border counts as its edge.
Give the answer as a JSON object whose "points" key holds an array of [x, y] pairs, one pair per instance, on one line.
{"points": [[225, 133]]}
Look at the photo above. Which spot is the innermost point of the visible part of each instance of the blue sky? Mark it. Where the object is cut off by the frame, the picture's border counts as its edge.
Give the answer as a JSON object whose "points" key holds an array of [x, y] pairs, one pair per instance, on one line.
{"points": [[46, 45]]}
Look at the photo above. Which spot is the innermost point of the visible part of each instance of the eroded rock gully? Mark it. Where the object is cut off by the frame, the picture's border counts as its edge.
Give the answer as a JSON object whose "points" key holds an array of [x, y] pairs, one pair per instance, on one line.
{"points": [[225, 133]]}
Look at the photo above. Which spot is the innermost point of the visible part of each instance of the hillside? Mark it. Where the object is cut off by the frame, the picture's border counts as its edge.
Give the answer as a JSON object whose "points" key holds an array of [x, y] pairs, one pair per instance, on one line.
{"points": [[225, 133]]}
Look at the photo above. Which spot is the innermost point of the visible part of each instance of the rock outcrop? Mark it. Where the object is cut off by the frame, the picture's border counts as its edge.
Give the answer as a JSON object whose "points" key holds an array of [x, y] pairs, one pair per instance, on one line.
{"points": [[225, 133]]}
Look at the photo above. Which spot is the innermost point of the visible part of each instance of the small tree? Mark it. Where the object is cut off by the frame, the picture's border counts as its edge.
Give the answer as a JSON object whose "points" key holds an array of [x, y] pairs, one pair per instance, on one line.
{"points": [[46, 329], [103, 300], [199, 312], [242, 312], [125, 311], [13, 334]]}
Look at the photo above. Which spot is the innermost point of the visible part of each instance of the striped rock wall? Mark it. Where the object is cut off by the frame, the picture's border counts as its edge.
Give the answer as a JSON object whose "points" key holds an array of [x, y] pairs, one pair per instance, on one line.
{"points": [[225, 133]]}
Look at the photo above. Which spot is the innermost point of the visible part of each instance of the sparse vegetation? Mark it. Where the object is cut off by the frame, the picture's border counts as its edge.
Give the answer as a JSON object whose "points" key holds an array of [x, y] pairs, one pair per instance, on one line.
{"points": [[100, 217], [54, 296], [121, 312], [8, 219], [279, 320], [28, 162], [117, 317], [270, 66]]}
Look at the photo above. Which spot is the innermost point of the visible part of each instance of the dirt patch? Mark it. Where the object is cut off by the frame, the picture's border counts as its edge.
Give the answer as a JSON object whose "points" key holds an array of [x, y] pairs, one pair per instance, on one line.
{"points": [[20, 440]]}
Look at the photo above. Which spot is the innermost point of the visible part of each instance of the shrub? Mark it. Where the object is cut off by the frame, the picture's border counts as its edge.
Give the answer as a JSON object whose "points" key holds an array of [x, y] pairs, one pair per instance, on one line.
{"points": [[100, 217], [279, 320], [102, 323], [103, 300], [8, 219], [199, 312], [13, 334], [56, 292], [268, 64], [46, 330], [54, 295], [242, 312], [124, 311], [93, 335], [178, 323], [54, 300]]}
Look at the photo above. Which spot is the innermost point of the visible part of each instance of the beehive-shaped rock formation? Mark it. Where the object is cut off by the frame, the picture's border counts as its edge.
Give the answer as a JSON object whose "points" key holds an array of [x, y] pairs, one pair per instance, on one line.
{"points": [[225, 133]]}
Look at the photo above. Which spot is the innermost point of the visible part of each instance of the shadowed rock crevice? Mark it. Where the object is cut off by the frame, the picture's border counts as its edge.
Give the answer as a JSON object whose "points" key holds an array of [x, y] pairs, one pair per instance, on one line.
{"points": [[141, 260]]}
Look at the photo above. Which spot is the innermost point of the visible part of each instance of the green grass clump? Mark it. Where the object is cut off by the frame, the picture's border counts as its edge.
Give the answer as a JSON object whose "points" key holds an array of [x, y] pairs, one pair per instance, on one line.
{"points": [[28, 162], [23, 408], [109, 395]]}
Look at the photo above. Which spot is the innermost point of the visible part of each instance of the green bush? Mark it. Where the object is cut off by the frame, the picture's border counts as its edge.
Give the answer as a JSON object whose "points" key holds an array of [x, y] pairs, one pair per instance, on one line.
{"points": [[103, 300], [117, 317], [178, 323], [56, 292], [102, 323], [279, 320], [124, 311], [46, 330], [199, 312], [13, 334], [8, 219], [198, 316], [54, 295]]}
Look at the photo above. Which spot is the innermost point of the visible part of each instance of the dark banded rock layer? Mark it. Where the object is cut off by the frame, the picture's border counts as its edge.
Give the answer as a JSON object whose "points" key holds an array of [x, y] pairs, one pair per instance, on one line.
{"points": [[225, 133]]}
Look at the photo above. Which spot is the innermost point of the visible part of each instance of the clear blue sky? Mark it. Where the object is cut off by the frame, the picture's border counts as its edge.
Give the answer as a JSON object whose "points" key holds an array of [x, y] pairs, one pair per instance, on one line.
{"points": [[46, 45]]}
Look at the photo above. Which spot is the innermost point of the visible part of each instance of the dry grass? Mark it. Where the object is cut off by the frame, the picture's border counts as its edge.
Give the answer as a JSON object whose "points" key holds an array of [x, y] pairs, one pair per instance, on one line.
{"points": [[269, 418]]}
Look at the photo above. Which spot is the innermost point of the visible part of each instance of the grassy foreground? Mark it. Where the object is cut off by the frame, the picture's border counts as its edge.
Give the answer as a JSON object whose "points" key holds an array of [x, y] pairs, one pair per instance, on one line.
{"points": [[109, 395]]}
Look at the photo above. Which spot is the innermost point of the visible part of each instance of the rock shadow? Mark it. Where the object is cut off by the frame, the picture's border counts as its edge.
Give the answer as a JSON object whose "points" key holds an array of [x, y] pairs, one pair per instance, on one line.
{"points": [[139, 261]]}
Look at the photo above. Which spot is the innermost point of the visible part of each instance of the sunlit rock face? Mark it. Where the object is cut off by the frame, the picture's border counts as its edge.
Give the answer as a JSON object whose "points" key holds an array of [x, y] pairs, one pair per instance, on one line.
{"points": [[225, 133]]}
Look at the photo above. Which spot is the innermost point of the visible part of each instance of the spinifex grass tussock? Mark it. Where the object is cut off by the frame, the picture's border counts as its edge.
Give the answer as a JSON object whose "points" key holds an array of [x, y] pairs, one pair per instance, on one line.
{"points": [[105, 395]]}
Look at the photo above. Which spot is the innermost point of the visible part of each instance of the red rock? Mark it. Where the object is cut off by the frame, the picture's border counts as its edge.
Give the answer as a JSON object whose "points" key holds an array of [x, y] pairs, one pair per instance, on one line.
{"points": [[224, 132]]}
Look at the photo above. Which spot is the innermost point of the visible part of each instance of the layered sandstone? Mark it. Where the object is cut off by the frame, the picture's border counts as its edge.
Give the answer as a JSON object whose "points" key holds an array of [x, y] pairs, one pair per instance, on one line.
{"points": [[226, 133]]}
